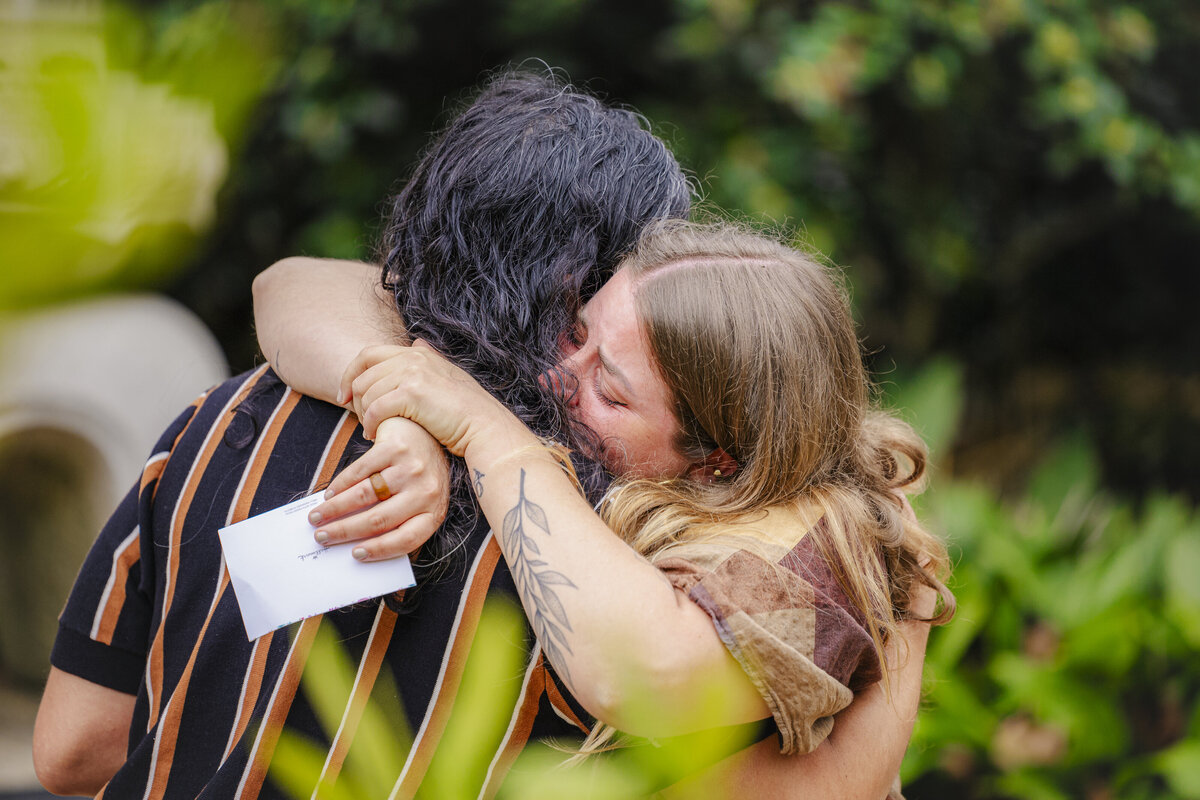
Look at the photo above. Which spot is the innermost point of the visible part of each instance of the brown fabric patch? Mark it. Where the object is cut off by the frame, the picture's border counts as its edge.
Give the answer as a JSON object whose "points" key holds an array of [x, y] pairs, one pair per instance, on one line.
{"points": [[844, 647], [788, 623]]}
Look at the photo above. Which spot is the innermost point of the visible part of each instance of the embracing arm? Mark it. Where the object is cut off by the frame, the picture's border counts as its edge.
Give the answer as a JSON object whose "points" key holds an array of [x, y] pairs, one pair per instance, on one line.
{"points": [[647, 640], [313, 315], [80, 735], [861, 758], [612, 625]]}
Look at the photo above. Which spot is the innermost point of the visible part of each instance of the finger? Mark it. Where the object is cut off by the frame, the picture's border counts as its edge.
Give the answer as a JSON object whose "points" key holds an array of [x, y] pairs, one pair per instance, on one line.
{"points": [[369, 393], [355, 368], [370, 522], [355, 500], [395, 403], [377, 381], [381, 362], [345, 392], [379, 371], [405, 539], [359, 471], [365, 359]]}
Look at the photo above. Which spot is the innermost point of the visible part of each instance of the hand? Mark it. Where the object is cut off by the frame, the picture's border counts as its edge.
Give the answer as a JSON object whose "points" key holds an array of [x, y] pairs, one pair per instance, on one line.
{"points": [[419, 384], [415, 469]]}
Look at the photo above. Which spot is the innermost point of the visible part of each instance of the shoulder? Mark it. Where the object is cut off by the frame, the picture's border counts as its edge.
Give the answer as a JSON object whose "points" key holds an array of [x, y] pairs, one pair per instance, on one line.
{"points": [[768, 535], [240, 407], [744, 560], [251, 427]]}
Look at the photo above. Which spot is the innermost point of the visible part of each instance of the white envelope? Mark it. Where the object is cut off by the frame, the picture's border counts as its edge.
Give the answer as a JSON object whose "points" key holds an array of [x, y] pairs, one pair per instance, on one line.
{"points": [[281, 575]]}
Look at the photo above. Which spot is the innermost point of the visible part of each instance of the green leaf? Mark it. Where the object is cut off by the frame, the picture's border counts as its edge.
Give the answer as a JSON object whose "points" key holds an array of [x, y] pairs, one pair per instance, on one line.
{"points": [[1030, 785], [948, 643], [296, 765], [1182, 583], [932, 401], [1065, 479], [537, 775], [482, 705], [1106, 644], [328, 680], [1180, 765]]}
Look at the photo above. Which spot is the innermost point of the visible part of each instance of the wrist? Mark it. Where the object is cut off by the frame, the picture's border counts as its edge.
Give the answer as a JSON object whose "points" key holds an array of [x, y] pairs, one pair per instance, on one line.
{"points": [[492, 449]]}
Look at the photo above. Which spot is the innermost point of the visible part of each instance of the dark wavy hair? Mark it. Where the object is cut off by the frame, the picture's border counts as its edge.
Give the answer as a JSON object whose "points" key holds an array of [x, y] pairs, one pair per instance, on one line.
{"points": [[515, 215]]}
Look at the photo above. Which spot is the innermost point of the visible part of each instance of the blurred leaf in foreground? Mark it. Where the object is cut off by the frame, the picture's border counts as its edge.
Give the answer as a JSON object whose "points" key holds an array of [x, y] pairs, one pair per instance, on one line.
{"points": [[105, 176]]}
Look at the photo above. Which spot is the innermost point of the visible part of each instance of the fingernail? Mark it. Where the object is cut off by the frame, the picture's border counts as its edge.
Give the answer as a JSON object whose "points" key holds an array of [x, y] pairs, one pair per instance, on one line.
{"points": [[314, 518], [328, 493], [321, 536], [341, 397], [360, 553]]}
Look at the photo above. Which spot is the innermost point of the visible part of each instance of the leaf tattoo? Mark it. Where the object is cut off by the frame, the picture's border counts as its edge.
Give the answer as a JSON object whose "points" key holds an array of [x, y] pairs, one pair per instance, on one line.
{"points": [[534, 579]]}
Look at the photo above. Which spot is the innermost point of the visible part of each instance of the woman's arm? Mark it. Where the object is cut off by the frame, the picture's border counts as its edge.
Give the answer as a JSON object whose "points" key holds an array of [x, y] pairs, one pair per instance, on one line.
{"points": [[649, 641], [634, 651], [313, 315], [861, 758]]}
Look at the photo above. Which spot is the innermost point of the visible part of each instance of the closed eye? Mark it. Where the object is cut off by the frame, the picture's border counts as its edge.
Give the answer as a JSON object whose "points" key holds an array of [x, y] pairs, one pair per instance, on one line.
{"points": [[603, 398]]}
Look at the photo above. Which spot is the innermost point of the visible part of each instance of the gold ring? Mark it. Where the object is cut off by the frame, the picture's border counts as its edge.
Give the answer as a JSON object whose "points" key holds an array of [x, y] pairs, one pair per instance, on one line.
{"points": [[380, 486]]}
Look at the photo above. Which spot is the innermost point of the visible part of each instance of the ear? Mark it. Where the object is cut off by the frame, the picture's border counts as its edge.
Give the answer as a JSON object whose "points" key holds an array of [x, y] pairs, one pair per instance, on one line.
{"points": [[717, 464]]}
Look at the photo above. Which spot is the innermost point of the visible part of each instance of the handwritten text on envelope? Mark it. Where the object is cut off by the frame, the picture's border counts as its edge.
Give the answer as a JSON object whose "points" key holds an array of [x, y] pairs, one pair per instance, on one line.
{"points": [[281, 575]]}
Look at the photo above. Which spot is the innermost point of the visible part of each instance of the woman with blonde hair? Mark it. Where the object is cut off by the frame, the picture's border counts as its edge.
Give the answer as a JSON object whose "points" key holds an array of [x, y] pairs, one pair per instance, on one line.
{"points": [[718, 375]]}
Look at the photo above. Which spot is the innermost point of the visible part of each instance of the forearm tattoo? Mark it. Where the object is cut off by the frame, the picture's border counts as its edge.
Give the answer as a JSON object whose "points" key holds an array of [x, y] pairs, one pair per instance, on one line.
{"points": [[535, 580], [477, 483]]}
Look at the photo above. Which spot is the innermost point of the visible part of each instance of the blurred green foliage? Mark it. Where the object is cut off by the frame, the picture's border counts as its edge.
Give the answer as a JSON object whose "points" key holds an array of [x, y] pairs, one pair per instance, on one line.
{"points": [[372, 765], [480, 717], [114, 140], [1011, 184], [1069, 670]]}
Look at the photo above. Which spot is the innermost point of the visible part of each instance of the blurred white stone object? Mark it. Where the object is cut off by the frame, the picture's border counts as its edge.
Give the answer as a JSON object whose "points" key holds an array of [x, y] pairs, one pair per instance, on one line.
{"points": [[85, 390]]}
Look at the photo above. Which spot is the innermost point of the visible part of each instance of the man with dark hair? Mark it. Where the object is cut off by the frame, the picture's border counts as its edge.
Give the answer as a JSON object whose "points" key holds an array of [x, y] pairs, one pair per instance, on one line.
{"points": [[514, 215]]}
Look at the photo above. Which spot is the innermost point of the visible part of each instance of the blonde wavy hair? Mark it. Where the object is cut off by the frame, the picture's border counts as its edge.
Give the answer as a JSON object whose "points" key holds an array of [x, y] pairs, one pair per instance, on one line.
{"points": [[756, 343]]}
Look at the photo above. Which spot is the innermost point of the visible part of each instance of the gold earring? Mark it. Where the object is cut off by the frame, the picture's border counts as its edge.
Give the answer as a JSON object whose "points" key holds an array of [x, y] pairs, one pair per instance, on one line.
{"points": [[716, 473]]}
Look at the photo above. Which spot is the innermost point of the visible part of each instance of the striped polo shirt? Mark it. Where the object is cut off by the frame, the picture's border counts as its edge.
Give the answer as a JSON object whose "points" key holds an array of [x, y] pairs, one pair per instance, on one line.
{"points": [[152, 613]]}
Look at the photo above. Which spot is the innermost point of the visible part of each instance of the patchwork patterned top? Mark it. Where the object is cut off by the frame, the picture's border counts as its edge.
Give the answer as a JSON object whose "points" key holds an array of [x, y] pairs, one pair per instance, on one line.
{"points": [[785, 618]]}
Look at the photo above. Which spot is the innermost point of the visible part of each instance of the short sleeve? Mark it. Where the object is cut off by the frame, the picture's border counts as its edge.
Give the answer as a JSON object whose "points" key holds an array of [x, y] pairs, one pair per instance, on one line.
{"points": [[767, 616], [104, 628]]}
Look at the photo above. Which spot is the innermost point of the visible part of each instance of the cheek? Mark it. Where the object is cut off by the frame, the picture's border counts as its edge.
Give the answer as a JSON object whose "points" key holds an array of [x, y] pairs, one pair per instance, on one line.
{"points": [[647, 452], [608, 431], [585, 413]]}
